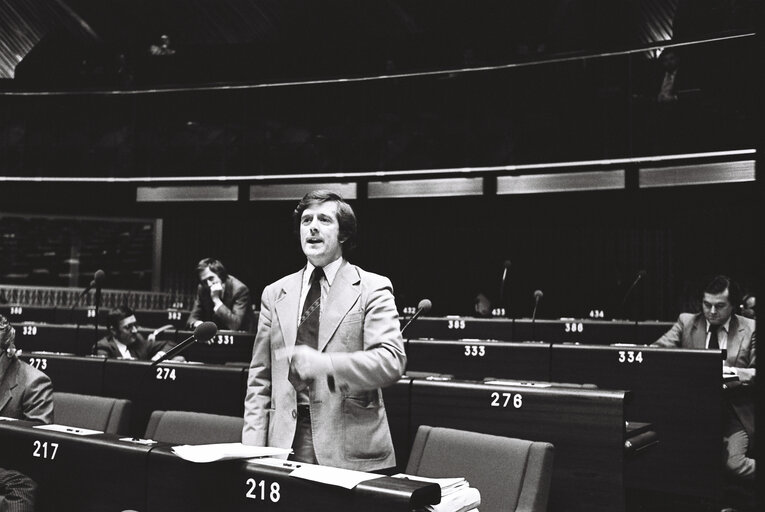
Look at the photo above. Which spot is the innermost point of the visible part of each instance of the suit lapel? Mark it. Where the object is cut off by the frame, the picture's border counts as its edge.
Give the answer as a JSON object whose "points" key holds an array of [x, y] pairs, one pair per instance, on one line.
{"points": [[699, 332], [287, 303], [343, 294]]}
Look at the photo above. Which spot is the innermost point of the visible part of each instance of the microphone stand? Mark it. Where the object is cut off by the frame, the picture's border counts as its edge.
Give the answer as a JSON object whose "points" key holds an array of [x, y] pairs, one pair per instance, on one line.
{"points": [[97, 302]]}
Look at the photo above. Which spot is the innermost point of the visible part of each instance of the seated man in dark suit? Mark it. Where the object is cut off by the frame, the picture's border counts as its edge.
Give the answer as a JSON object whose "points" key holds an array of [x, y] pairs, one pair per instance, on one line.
{"points": [[221, 298], [125, 342], [26, 393], [718, 327]]}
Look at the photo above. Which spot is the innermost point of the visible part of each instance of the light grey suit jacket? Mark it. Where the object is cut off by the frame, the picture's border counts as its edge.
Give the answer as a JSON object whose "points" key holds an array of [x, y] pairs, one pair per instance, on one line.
{"points": [[690, 331], [360, 331], [26, 393]]}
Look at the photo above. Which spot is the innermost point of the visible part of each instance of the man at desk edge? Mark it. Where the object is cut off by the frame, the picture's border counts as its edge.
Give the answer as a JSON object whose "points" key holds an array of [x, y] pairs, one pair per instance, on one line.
{"points": [[26, 393], [315, 378], [718, 327]]}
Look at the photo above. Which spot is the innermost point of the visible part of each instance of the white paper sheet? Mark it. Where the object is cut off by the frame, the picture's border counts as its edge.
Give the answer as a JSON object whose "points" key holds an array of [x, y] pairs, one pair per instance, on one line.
{"points": [[69, 430], [225, 451], [333, 476]]}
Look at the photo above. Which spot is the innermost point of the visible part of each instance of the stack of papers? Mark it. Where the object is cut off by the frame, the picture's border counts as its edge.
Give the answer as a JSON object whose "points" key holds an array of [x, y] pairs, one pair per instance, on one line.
{"points": [[456, 494], [225, 451]]}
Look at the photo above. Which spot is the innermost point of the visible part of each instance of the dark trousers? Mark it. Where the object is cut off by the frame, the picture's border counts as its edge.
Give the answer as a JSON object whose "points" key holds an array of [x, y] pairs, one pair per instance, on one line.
{"points": [[302, 444]]}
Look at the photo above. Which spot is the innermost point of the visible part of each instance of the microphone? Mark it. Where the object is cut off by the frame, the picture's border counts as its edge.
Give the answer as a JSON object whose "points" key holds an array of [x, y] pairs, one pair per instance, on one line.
{"points": [[505, 268], [537, 298], [422, 308], [98, 278], [640, 276], [204, 332]]}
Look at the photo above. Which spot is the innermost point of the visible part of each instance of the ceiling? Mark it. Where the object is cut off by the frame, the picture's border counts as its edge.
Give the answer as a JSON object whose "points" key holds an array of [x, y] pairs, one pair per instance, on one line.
{"points": [[52, 44], [49, 43]]}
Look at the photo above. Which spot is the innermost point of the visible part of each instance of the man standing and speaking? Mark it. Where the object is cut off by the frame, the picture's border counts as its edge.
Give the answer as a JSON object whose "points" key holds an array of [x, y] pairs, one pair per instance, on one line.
{"points": [[328, 339]]}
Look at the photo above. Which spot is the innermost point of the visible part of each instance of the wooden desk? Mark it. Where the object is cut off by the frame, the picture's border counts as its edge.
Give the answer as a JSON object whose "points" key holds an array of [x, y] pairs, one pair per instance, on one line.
{"points": [[157, 318], [586, 427], [480, 359], [72, 374], [21, 313], [679, 391], [175, 386], [224, 347], [461, 327], [596, 332], [47, 337], [101, 473], [178, 485], [83, 473]]}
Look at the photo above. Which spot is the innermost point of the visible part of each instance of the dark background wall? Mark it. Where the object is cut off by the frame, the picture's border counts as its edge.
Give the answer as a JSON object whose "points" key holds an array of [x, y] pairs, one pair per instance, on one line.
{"points": [[583, 249]]}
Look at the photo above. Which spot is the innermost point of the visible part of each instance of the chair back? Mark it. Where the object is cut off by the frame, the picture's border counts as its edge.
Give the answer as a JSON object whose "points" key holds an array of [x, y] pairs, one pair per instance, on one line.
{"points": [[185, 427], [110, 415], [511, 474]]}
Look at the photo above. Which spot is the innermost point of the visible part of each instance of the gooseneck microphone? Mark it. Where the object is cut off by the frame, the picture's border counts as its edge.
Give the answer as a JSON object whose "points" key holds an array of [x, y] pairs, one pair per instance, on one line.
{"points": [[98, 278], [505, 269], [640, 276], [203, 332], [422, 308], [537, 298]]}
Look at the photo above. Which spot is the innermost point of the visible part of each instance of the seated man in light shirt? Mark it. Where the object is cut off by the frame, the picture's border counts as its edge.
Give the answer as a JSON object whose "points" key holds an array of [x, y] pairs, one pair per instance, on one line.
{"points": [[717, 327], [125, 342]]}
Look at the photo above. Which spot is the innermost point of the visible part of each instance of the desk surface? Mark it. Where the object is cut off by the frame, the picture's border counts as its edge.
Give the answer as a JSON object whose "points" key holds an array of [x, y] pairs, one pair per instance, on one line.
{"points": [[100, 472]]}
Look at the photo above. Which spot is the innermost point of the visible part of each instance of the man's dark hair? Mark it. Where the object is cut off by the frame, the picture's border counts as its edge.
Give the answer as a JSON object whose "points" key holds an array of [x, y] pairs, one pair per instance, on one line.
{"points": [[116, 315], [215, 266], [721, 283], [345, 216]]}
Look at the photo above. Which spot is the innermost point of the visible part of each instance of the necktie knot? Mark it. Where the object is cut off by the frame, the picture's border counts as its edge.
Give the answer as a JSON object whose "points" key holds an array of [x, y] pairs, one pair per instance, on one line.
{"points": [[316, 275]]}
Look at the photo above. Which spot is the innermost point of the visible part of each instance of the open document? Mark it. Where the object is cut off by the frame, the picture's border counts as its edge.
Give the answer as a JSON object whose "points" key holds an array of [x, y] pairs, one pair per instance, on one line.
{"points": [[225, 451]]}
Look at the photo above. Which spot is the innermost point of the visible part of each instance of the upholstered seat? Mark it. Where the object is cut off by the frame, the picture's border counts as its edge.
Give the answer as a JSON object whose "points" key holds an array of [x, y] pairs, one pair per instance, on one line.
{"points": [[110, 415], [185, 427], [511, 474]]}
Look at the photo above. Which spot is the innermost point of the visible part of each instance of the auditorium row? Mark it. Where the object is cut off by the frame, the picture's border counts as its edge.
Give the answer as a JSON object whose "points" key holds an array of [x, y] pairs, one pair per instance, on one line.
{"points": [[603, 408]]}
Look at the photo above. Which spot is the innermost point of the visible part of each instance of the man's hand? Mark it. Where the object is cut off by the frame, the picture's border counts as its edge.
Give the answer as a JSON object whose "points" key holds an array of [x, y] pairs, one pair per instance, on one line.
{"points": [[309, 364], [216, 291]]}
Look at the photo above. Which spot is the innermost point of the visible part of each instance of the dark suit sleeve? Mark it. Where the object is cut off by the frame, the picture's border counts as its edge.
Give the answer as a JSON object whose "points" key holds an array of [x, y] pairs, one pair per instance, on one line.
{"points": [[17, 492], [672, 338], [38, 398], [232, 318], [196, 310]]}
